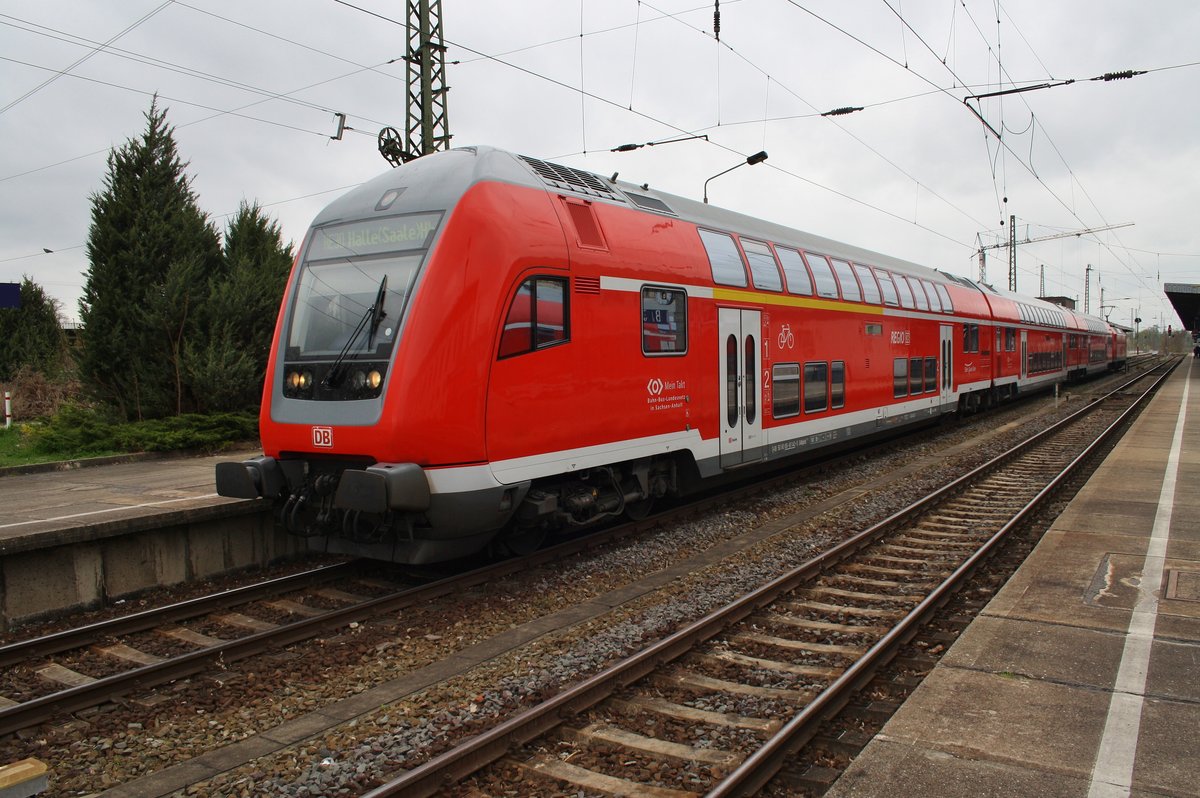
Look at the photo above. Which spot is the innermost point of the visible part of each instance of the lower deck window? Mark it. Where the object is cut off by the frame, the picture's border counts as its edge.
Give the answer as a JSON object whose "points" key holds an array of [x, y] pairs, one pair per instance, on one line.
{"points": [[785, 396], [931, 373], [816, 387], [837, 384], [900, 377], [664, 321]]}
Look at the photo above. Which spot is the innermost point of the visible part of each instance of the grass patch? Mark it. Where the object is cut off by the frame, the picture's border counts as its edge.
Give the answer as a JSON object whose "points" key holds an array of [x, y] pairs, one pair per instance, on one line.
{"points": [[76, 432]]}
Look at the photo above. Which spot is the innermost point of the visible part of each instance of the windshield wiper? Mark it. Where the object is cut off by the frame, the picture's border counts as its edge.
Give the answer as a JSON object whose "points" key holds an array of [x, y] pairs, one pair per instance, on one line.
{"points": [[374, 315], [377, 312]]}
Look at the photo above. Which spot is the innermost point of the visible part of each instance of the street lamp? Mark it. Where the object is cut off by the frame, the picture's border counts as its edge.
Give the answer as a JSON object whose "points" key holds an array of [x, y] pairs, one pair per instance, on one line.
{"points": [[757, 157]]}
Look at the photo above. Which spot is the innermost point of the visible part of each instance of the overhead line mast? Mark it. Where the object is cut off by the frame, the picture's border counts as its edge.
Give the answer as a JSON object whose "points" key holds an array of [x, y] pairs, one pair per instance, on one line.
{"points": [[428, 127], [1012, 242]]}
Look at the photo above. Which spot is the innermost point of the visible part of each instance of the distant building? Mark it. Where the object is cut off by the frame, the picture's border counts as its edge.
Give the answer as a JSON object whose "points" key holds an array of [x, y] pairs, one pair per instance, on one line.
{"points": [[71, 330], [1061, 301]]}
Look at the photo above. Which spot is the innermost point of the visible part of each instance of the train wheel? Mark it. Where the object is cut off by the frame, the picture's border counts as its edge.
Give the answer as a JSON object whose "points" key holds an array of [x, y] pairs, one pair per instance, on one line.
{"points": [[637, 511], [522, 542]]}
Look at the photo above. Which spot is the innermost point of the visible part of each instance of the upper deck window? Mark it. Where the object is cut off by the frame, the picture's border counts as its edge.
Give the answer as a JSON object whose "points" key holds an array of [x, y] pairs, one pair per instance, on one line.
{"points": [[918, 293], [869, 286], [906, 297], [947, 304], [845, 277], [822, 275], [935, 302], [890, 297], [763, 269], [798, 280], [724, 258]]}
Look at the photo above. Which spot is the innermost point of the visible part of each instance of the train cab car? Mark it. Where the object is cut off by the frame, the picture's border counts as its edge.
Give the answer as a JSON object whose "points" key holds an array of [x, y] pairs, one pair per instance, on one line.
{"points": [[480, 347]]}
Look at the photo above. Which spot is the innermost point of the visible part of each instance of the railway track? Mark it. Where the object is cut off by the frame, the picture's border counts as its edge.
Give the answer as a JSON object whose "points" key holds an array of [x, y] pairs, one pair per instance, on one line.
{"points": [[719, 706], [111, 676], [83, 667]]}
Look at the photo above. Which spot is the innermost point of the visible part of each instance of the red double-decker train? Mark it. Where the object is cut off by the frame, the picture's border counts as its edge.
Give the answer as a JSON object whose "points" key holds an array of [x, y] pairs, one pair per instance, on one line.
{"points": [[480, 346]]}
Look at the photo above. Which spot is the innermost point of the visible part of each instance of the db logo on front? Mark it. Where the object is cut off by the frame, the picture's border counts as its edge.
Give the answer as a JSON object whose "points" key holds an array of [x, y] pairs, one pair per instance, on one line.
{"points": [[323, 437]]}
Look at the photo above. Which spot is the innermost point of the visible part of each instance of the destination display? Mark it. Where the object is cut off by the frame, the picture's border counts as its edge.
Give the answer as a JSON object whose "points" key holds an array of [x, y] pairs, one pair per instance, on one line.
{"points": [[373, 237]]}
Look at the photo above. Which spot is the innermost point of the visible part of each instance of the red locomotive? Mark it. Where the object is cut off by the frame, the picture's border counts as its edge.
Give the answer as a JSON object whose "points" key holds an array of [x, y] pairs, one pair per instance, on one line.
{"points": [[481, 346]]}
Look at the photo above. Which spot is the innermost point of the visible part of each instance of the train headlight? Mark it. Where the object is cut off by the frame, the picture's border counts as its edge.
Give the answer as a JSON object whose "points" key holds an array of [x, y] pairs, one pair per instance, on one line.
{"points": [[374, 379], [359, 380], [297, 381]]}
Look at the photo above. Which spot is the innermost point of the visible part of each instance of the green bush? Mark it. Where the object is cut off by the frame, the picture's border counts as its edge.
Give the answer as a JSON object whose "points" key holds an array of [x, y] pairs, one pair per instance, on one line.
{"points": [[79, 432]]}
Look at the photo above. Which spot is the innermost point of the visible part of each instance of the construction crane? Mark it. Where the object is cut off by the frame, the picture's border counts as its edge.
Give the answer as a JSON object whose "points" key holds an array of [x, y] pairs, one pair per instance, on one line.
{"points": [[1012, 243]]}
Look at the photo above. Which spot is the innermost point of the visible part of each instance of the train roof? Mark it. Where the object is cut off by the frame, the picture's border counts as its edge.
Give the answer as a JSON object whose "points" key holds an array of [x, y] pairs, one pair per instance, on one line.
{"points": [[441, 178]]}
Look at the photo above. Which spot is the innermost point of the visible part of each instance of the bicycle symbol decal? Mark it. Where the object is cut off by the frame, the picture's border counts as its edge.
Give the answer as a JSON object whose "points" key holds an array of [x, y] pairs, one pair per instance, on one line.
{"points": [[786, 340]]}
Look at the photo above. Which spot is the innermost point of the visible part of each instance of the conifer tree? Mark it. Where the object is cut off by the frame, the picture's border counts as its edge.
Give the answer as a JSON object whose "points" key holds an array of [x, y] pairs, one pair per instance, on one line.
{"points": [[31, 335], [228, 362], [153, 255]]}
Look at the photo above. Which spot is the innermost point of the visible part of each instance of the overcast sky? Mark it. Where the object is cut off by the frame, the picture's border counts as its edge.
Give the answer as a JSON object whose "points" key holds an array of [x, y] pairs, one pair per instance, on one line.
{"points": [[252, 89]]}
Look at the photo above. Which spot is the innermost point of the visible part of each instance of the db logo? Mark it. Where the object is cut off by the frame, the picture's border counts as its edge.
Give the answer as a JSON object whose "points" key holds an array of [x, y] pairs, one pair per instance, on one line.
{"points": [[323, 437], [654, 387]]}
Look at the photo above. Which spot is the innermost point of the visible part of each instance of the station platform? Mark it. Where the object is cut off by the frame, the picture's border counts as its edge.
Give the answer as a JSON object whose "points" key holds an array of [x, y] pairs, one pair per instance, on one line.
{"points": [[63, 503], [74, 535], [1082, 676]]}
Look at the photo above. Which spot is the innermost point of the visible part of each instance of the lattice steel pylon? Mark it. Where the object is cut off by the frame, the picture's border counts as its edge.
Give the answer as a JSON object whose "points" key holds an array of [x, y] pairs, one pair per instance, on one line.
{"points": [[427, 128], [1012, 253]]}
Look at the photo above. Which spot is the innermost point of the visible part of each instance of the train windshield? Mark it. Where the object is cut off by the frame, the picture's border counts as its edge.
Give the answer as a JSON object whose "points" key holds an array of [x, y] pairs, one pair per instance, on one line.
{"points": [[354, 286]]}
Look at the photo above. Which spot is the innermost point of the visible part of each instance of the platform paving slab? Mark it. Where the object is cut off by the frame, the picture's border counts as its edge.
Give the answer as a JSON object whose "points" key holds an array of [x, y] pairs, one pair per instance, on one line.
{"points": [[1019, 703]]}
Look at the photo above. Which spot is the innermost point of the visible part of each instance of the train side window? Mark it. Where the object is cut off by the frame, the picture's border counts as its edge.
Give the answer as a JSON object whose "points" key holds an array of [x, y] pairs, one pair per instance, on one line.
{"points": [[890, 297], [724, 258], [763, 269], [1010, 339], [537, 318], [845, 276], [900, 377], [918, 293], [906, 297], [935, 301], [664, 321], [869, 286], [798, 280], [822, 275], [816, 387], [785, 393], [837, 384], [916, 374], [931, 373], [970, 338], [947, 304]]}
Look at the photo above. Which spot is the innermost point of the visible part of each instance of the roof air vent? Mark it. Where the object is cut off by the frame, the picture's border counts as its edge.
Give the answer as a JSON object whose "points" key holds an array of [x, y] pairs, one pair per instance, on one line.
{"points": [[568, 179]]}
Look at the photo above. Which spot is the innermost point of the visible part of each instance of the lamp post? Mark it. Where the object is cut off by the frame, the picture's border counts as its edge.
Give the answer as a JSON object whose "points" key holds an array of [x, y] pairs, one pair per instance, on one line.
{"points": [[757, 157]]}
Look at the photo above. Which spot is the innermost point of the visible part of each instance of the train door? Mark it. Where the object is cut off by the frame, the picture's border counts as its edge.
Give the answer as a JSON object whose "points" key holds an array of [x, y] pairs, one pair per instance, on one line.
{"points": [[947, 381], [1024, 354], [741, 388]]}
